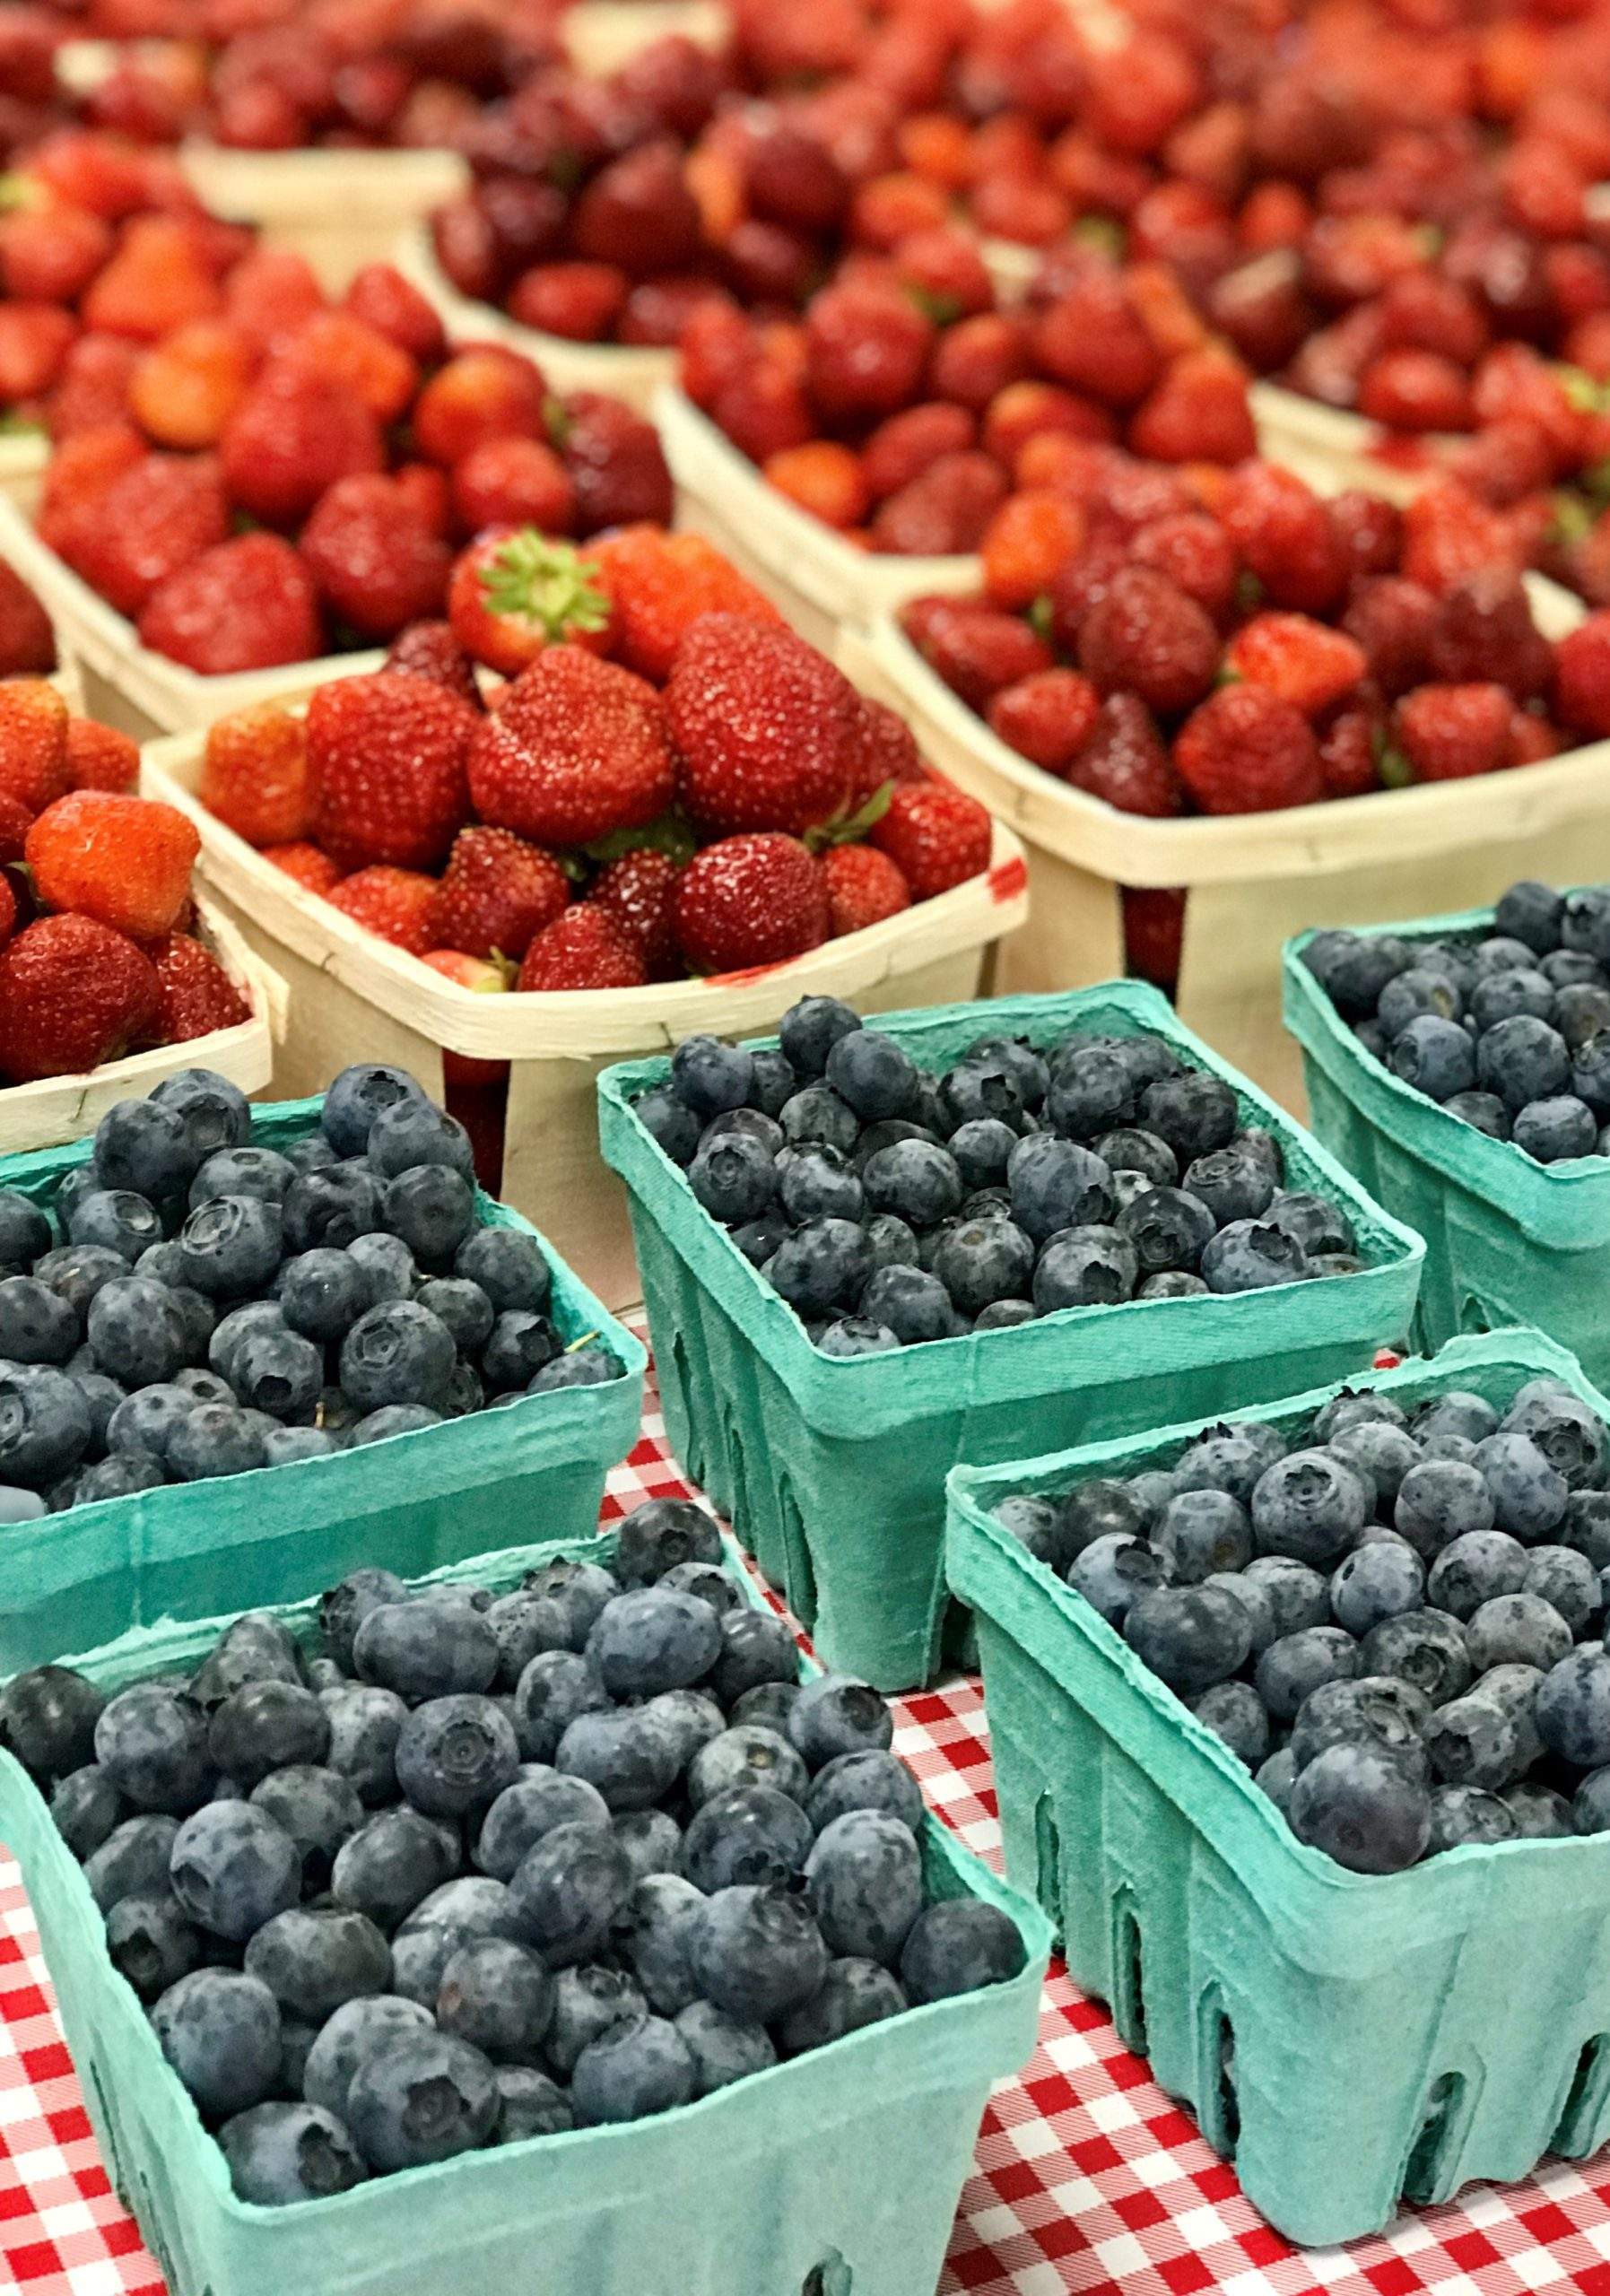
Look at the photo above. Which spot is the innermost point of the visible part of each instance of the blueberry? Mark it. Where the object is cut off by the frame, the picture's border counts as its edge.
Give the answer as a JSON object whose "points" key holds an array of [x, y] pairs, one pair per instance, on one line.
{"points": [[1113, 1572], [1036, 1523], [1229, 1459], [578, 1591], [758, 1952], [87, 1808], [1250, 1255], [1410, 996], [529, 2105], [654, 1938], [529, 1808], [1571, 969], [390, 1865], [917, 1180], [1436, 1056], [958, 1945], [1509, 994], [1006, 1315], [36, 1326], [569, 1888], [636, 2068], [708, 1076], [586, 2002], [231, 1246], [425, 2098], [1586, 1526], [1093, 1266], [1275, 1777], [1523, 1059], [1375, 1582], [78, 1271], [116, 1219], [1565, 1580], [264, 1725], [1234, 1712], [817, 1115], [1289, 1670], [133, 1861], [398, 1353], [1552, 1131], [24, 1229], [1463, 1815], [151, 1742], [426, 1650], [1201, 1533], [1540, 1814], [1473, 1741], [521, 1346], [314, 1958], [629, 1753], [318, 1808], [280, 1373], [278, 2153], [1055, 1184], [652, 1840], [913, 1305], [150, 1943], [220, 2031], [330, 1210], [983, 1263], [497, 1997], [49, 1719], [138, 1332], [868, 1781], [216, 1438], [822, 1267], [1485, 1110], [554, 1690], [1439, 1501], [981, 1148], [746, 1833], [670, 1122], [1472, 1570], [1533, 913], [982, 1089], [1517, 1630], [1311, 1507], [756, 1647], [733, 1178], [835, 1714], [816, 1184], [872, 1074], [1167, 1229], [809, 1031], [863, 1882], [1581, 1013], [723, 2049], [1528, 1495], [242, 1171], [455, 1755], [774, 1080], [1190, 1637], [233, 1868], [1565, 1429], [1361, 1808], [1425, 1648]]}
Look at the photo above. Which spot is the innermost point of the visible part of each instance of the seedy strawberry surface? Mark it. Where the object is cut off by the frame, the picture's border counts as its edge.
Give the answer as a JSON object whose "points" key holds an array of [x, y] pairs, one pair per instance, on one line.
{"points": [[387, 754], [864, 887], [576, 748], [750, 901], [496, 892], [198, 995], [761, 723], [586, 948], [124, 861], [73, 993], [256, 776], [393, 903], [937, 836]]}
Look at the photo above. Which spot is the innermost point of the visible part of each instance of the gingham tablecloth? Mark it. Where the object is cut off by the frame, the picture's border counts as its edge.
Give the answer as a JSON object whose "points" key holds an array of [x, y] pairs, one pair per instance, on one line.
{"points": [[1086, 2175]]}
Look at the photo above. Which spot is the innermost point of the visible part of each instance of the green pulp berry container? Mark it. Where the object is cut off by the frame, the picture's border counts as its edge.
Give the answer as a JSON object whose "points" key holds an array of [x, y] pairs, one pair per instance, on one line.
{"points": [[835, 2174], [1349, 2040], [833, 1471], [1507, 1239], [76, 1581]]}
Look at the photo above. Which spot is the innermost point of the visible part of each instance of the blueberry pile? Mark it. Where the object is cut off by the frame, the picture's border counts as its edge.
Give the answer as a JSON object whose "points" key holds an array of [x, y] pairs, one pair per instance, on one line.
{"points": [[889, 1206], [1398, 1623], [1509, 1030], [196, 1306], [492, 1866]]}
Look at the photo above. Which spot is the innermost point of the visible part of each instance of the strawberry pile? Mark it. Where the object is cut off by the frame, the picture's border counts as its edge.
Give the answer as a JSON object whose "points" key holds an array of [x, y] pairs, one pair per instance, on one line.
{"points": [[1235, 644], [98, 954], [674, 782], [909, 436], [279, 479], [27, 641]]}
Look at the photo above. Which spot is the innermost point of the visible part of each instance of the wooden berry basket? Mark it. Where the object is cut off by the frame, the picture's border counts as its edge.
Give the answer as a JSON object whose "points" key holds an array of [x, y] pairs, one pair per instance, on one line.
{"points": [[24, 455], [601, 35], [60, 1108], [353, 996], [1253, 879], [1333, 447]]}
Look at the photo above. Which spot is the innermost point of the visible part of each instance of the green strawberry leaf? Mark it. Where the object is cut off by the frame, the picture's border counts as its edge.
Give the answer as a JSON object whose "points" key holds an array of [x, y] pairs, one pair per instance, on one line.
{"points": [[1573, 518], [669, 834], [1101, 233], [1039, 616], [21, 426], [1395, 771], [849, 829], [1248, 591], [532, 579]]}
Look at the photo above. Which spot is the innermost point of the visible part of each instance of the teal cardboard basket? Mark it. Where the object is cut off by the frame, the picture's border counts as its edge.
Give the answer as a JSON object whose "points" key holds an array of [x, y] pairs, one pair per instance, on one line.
{"points": [[76, 1581], [833, 1471], [1347, 2039], [1507, 1239], [835, 2174]]}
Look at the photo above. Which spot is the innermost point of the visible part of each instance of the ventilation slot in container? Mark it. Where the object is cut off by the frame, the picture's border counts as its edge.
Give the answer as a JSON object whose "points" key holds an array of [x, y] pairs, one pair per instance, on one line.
{"points": [[1440, 2131], [1128, 2003], [799, 1578], [695, 1461], [1584, 2100], [831, 2277], [1220, 2115]]}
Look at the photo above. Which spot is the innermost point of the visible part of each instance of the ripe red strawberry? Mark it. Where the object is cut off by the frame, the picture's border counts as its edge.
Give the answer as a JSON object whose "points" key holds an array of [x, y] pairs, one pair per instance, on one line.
{"points": [[393, 903], [1247, 751], [936, 834], [430, 649], [976, 650], [659, 585], [495, 894], [883, 749], [586, 948], [8, 910], [910, 442], [1370, 530], [1093, 340], [386, 756], [944, 513], [345, 349], [639, 892], [579, 747], [34, 744], [155, 283], [73, 994], [1448, 732], [864, 887], [514, 482], [1350, 754], [198, 995], [1144, 636], [256, 777], [1392, 620], [390, 304], [377, 565], [16, 822], [1448, 533], [310, 865], [761, 723], [750, 901], [159, 517], [866, 348], [481, 394], [124, 861], [1285, 537], [49, 254], [1198, 413], [1153, 933], [1303, 661], [248, 604], [1080, 584], [1533, 738], [1581, 673], [582, 301], [1124, 762], [27, 642], [1048, 718], [513, 595], [291, 436], [1484, 631], [99, 757], [615, 461]]}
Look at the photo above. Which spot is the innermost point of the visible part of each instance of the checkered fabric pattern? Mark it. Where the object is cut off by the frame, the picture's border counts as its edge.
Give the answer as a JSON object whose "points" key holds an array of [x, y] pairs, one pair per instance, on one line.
{"points": [[1086, 2177]]}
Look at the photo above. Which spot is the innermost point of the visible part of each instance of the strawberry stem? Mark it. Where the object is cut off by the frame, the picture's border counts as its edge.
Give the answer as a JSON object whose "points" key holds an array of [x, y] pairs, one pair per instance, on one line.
{"points": [[531, 579], [849, 829]]}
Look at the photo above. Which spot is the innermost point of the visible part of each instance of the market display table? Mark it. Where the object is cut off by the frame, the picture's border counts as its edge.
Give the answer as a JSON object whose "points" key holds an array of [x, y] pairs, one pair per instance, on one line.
{"points": [[1086, 2177]]}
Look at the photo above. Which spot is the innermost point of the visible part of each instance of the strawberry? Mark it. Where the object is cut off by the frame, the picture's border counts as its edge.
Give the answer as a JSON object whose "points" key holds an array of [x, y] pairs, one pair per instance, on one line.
{"points": [[159, 517], [1030, 537], [586, 948], [513, 595], [659, 585], [34, 744], [482, 393], [1415, 390], [1349, 754], [864, 887], [99, 757], [1245, 751], [394, 904], [387, 755], [379, 295], [1484, 631], [514, 482], [272, 293], [1392, 621], [1154, 932], [1304, 662], [124, 861], [481, 979], [824, 478], [1048, 718], [580, 301], [578, 748], [310, 865], [761, 724], [944, 513], [1285, 537], [248, 605], [16, 822], [1448, 732], [867, 346], [1448, 533], [1124, 762], [936, 834], [639, 891], [198, 995], [616, 463], [976, 650], [1581, 673], [495, 894], [1196, 554], [8, 910], [80, 474], [34, 342], [1091, 340], [1532, 738], [1370, 530], [750, 901], [976, 360], [343, 349], [1199, 414], [49, 254], [27, 642], [73, 993], [185, 388], [883, 750], [255, 777], [907, 444], [293, 435], [430, 649], [1080, 584], [1148, 639], [376, 566], [155, 281]]}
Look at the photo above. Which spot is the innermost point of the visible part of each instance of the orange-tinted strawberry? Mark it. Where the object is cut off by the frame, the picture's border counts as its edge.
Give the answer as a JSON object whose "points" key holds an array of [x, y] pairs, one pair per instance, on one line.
{"points": [[659, 585], [310, 865], [99, 757], [379, 295], [124, 861], [27, 641], [1447, 733], [1026, 541], [761, 724], [514, 482], [586, 948], [346, 350], [639, 892], [256, 777], [513, 595], [936, 833], [496, 892], [34, 342], [1448, 533], [750, 901], [1048, 718], [864, 887], [34, 744], [74, 993], [387, 757], [1303, 661], [197, 996], [185, 388], [248, 605], [378, 568], [103, 173], [159, 517], [482, 393], [155, 283], [1245, 751], [824, 478], [49, 253], [394, 904], [293, 435], [579, 747]]}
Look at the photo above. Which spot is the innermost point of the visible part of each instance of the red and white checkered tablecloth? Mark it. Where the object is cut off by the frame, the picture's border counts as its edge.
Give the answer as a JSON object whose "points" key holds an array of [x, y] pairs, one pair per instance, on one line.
{"points": [[1087, 2177]]}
